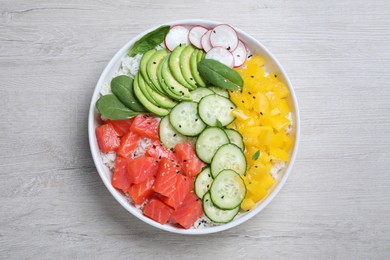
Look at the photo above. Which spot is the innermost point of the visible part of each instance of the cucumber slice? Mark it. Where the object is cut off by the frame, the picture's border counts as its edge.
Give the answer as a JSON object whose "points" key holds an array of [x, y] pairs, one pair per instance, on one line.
{"points": [[203, 182], [235, 138], [184, 119], [214, 108], [199, 93], [228, 156], [220, 91], [209, 141], [168, 135], [215, 214], [228, 190]]}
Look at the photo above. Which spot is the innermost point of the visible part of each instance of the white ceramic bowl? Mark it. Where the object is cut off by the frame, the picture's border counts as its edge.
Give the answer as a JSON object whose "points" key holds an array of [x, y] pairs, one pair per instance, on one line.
{"points": [[272, 65]]}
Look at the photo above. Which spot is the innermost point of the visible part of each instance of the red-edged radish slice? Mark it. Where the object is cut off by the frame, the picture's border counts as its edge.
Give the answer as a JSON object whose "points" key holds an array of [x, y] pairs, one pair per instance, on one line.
{"points": [[205, 41], [195, 35], [177, 35], [239, 54], [222, 55], [224, 35]]}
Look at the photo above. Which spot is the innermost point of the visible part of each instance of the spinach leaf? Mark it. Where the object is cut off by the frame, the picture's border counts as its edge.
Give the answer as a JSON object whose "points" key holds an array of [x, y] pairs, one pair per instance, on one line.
{"points": [[219, 74], [149, 41], [122, 87], [110, 107], [219, 124], [256, 156]]}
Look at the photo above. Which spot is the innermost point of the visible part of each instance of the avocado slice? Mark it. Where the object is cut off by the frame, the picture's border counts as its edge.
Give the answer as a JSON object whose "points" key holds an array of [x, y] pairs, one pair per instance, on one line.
{"points": [[194, 67], [149, 106], [151, 69], [144, 87], [174, 65], [185, 66], [164, 86], [143, 67], [179, 91], [160, 100]]}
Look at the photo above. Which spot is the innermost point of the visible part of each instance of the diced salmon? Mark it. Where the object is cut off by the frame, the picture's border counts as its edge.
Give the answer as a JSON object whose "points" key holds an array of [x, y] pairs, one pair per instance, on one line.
{"points": [[142, 191], [107, 138], [179, 194], [166, 177], [188, 212], [146, 126], [119, 178], [185, 154], [159, 151], [140, 168], [158, 211], [129, 143], [122, 127]]}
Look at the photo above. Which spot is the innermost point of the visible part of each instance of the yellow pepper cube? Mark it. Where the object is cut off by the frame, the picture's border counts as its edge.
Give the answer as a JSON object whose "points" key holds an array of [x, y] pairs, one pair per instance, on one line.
{"points": [[287, 143], [251, 139], [260, 103], [257, 171], [241, 114], [281, 89], [247, 204], [279, 122], [265, 135], [267, 181], [278, 154], [283, 107], [259, 195], [277, 140], [273, 99]]}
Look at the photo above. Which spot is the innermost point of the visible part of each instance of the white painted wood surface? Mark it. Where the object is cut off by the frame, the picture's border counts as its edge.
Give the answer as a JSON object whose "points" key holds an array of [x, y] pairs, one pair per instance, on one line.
{"points": [[336, 204]]}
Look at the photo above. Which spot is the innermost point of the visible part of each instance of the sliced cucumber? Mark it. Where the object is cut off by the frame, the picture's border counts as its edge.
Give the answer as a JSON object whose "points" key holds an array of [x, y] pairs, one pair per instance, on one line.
{"points": [[209, 141], [228, 156], [235, 138], [203, 182], [228, 190], [184, 119], [215, 214], [220, 91], [214, 108], [199, 93], [168, 135]]}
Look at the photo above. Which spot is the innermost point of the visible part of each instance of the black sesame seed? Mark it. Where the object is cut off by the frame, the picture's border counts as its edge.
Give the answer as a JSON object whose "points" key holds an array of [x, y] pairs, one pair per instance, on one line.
{"points": [[252, 77], [196, 119], [154, 146], [228, 48], [242, 101], [214, 31], [238, 55], [174, 134], [191, 79], [256, 166], [154, 62], [231, 108], [208, 185], [222, 197], [261, 113], [254, 97], [180, 44], [249, 93], [159, 157], [172, 88], [180, 126], [275, 76], [250, 56]]}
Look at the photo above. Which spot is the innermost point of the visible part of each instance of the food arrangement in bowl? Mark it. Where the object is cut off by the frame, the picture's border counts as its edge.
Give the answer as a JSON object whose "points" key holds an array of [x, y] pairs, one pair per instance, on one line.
{"points": [[194, 128]]}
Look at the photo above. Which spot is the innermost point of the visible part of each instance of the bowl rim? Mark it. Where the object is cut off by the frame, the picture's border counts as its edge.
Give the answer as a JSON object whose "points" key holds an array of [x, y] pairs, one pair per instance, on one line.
{"points": [[119, 197]]}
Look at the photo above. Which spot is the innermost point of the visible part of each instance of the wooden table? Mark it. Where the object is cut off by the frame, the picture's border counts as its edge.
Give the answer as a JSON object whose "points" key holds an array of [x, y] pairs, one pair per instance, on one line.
{"points": [[335, 205]]}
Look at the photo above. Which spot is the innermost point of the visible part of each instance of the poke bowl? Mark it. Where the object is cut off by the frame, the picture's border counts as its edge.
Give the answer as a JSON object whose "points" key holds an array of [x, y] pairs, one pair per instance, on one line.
{"points": [[194, 126]]}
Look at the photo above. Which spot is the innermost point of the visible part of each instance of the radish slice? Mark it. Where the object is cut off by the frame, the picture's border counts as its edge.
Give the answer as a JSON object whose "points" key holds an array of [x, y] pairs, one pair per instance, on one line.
{"points": [[239, 54], [224, 36], [222, 55], [195, 35], [177, 35], [205, 41]]}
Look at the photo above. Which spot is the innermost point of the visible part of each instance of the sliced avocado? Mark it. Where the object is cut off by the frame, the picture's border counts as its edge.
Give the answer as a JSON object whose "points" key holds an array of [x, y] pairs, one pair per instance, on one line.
{"points": [[174, 87], [144, 87], [160, 100], [174, 65], [164, 86], [151, 69], [201, 55], [194, 68], [149, 106], [185, 66], [143, 67]]}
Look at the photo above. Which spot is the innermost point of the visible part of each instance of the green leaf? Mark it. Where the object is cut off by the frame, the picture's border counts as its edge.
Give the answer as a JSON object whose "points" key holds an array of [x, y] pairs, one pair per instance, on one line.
{"points": [[110, 107], [220, 75], [149, 41], [122, 87], [256, 156], [219, 124]]}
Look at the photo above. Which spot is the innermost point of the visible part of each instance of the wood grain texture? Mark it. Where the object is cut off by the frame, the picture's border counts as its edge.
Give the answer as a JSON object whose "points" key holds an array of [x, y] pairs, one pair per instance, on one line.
{"points": [[336, 204]]}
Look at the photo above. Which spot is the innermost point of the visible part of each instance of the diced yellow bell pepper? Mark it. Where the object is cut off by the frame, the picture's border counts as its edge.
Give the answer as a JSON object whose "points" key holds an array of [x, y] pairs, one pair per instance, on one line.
{"points": [[283, 107], [251, 139], [260, 103], [259, 195], [247, 204], [277, 140], [287, 143], [278, 154], [265, 134], [279, 122], [281, 89], [241, 114], [267, 181]]}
